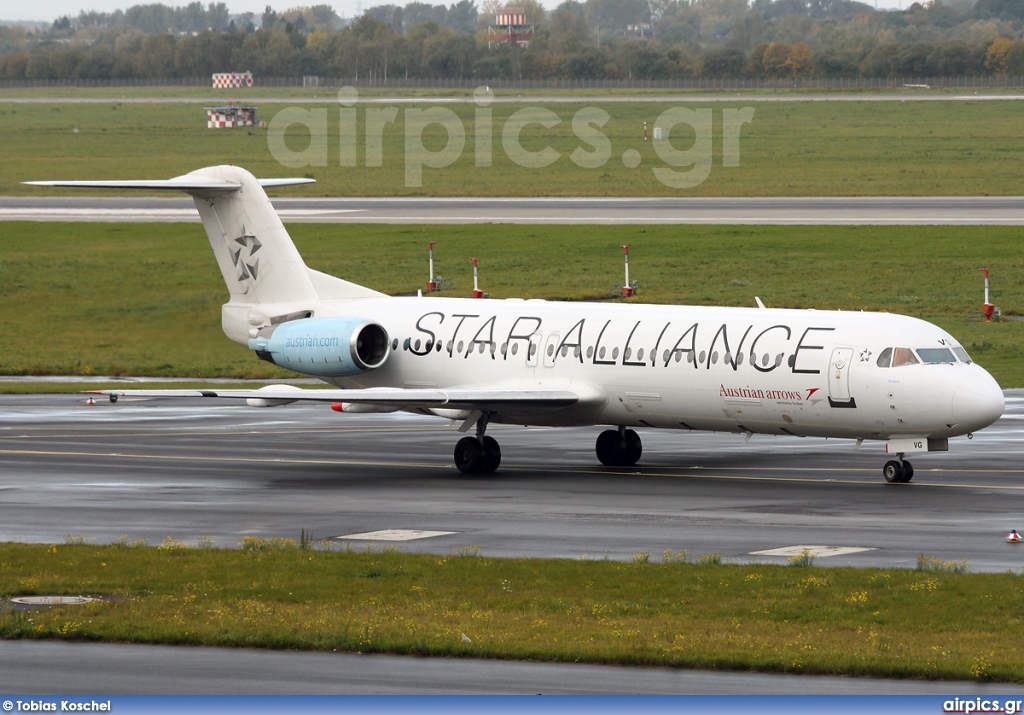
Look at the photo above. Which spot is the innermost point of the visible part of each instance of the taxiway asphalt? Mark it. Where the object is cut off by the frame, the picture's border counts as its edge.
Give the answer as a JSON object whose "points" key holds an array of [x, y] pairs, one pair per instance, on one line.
{"points": [[924, 210], [152, 468], [94, 668], [330, 96]]}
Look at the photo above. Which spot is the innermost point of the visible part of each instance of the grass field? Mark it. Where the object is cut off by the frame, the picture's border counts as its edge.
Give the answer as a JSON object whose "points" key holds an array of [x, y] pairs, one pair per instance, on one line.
{"points": [[788, 149], [144, 299], [925, 623]]}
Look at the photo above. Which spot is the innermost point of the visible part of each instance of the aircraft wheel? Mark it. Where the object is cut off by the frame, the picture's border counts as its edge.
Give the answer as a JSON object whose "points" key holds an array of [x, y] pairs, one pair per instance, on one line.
{"points": [[633, 449], [609, 449], [491, 455], [469, 455], [113, 398], [908, 471], [893, 471]]}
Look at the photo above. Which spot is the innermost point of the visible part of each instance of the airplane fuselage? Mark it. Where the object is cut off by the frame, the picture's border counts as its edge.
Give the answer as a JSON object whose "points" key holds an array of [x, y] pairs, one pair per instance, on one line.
{"points": [[797, 372]]}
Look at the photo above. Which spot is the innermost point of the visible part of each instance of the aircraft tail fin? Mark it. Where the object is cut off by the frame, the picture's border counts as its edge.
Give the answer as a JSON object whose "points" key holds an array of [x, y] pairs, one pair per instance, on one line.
{"points": [[257, 258]]}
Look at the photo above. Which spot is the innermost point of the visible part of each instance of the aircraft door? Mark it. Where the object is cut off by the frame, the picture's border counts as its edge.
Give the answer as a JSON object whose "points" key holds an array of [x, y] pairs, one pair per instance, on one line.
{"points": [[839, 377]]}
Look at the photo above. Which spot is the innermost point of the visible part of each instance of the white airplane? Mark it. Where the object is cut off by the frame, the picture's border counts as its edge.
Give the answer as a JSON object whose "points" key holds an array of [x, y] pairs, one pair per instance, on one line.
{"points": [[856, 375]]}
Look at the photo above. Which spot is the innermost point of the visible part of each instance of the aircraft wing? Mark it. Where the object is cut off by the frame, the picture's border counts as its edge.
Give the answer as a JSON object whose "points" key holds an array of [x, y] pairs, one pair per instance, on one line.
{"points": [[473, 399]]}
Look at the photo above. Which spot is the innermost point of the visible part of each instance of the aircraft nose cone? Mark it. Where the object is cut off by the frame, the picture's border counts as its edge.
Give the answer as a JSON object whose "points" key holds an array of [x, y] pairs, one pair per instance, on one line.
{"points": [[978, 402]]}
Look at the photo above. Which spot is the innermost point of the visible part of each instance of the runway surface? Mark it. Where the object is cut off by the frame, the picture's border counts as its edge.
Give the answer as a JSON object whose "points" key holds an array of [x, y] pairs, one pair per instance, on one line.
{"points": [[930, 210], [150, 469], [156, 468]]}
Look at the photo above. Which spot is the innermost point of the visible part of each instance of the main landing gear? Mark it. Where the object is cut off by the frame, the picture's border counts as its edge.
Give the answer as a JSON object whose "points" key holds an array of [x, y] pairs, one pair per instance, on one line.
{"points": [[480, 454], [898, 472], [619, 448]]}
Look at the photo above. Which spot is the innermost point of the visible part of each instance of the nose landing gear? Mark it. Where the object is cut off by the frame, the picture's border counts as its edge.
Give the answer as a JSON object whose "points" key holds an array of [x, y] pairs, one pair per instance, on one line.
{"points": [[898, 472], [619, 448]]}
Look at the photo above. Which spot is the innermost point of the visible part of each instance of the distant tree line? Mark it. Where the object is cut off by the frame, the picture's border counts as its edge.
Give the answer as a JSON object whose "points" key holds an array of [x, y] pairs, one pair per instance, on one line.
{"points": [[150, 18], [595, 39]]}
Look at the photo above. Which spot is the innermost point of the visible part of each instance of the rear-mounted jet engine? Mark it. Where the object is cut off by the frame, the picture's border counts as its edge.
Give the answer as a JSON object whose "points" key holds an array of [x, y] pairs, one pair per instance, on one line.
{"points": [[326, 347]]}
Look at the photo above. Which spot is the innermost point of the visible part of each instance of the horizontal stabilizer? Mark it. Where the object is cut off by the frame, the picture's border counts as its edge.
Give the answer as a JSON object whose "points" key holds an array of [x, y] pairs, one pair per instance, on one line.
{"points": [[271, 183], [483, 400], [188, 184]]}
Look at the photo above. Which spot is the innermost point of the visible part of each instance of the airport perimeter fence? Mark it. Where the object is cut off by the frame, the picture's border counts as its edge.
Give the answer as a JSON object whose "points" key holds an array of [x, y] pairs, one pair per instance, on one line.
{"points": [[809, 83]]}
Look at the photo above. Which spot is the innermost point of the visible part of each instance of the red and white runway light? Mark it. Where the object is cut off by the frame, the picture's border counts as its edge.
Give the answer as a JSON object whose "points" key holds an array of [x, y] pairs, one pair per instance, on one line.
{"points": [[477, 293], [988, 309], [431, 283], [627, 289]]}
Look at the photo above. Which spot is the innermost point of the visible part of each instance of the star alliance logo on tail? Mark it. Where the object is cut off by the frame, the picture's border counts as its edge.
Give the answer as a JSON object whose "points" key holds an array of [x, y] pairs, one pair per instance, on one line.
{"points": [[247, 265]]}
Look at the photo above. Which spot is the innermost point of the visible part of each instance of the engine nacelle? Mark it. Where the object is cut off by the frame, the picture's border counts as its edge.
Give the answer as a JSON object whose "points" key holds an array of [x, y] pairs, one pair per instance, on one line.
{"points": [[325, 347]]}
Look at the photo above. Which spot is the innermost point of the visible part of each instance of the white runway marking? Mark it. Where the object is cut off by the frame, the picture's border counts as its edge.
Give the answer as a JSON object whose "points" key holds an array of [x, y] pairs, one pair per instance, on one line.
{"points": [[396, 535], [52, 600], [816, 551]]}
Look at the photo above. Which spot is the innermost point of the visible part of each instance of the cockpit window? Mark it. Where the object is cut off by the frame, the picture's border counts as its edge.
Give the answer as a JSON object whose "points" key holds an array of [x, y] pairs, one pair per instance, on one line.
{"points": [[897, 357], [931, 356], [904, 356], [962, 354]]}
